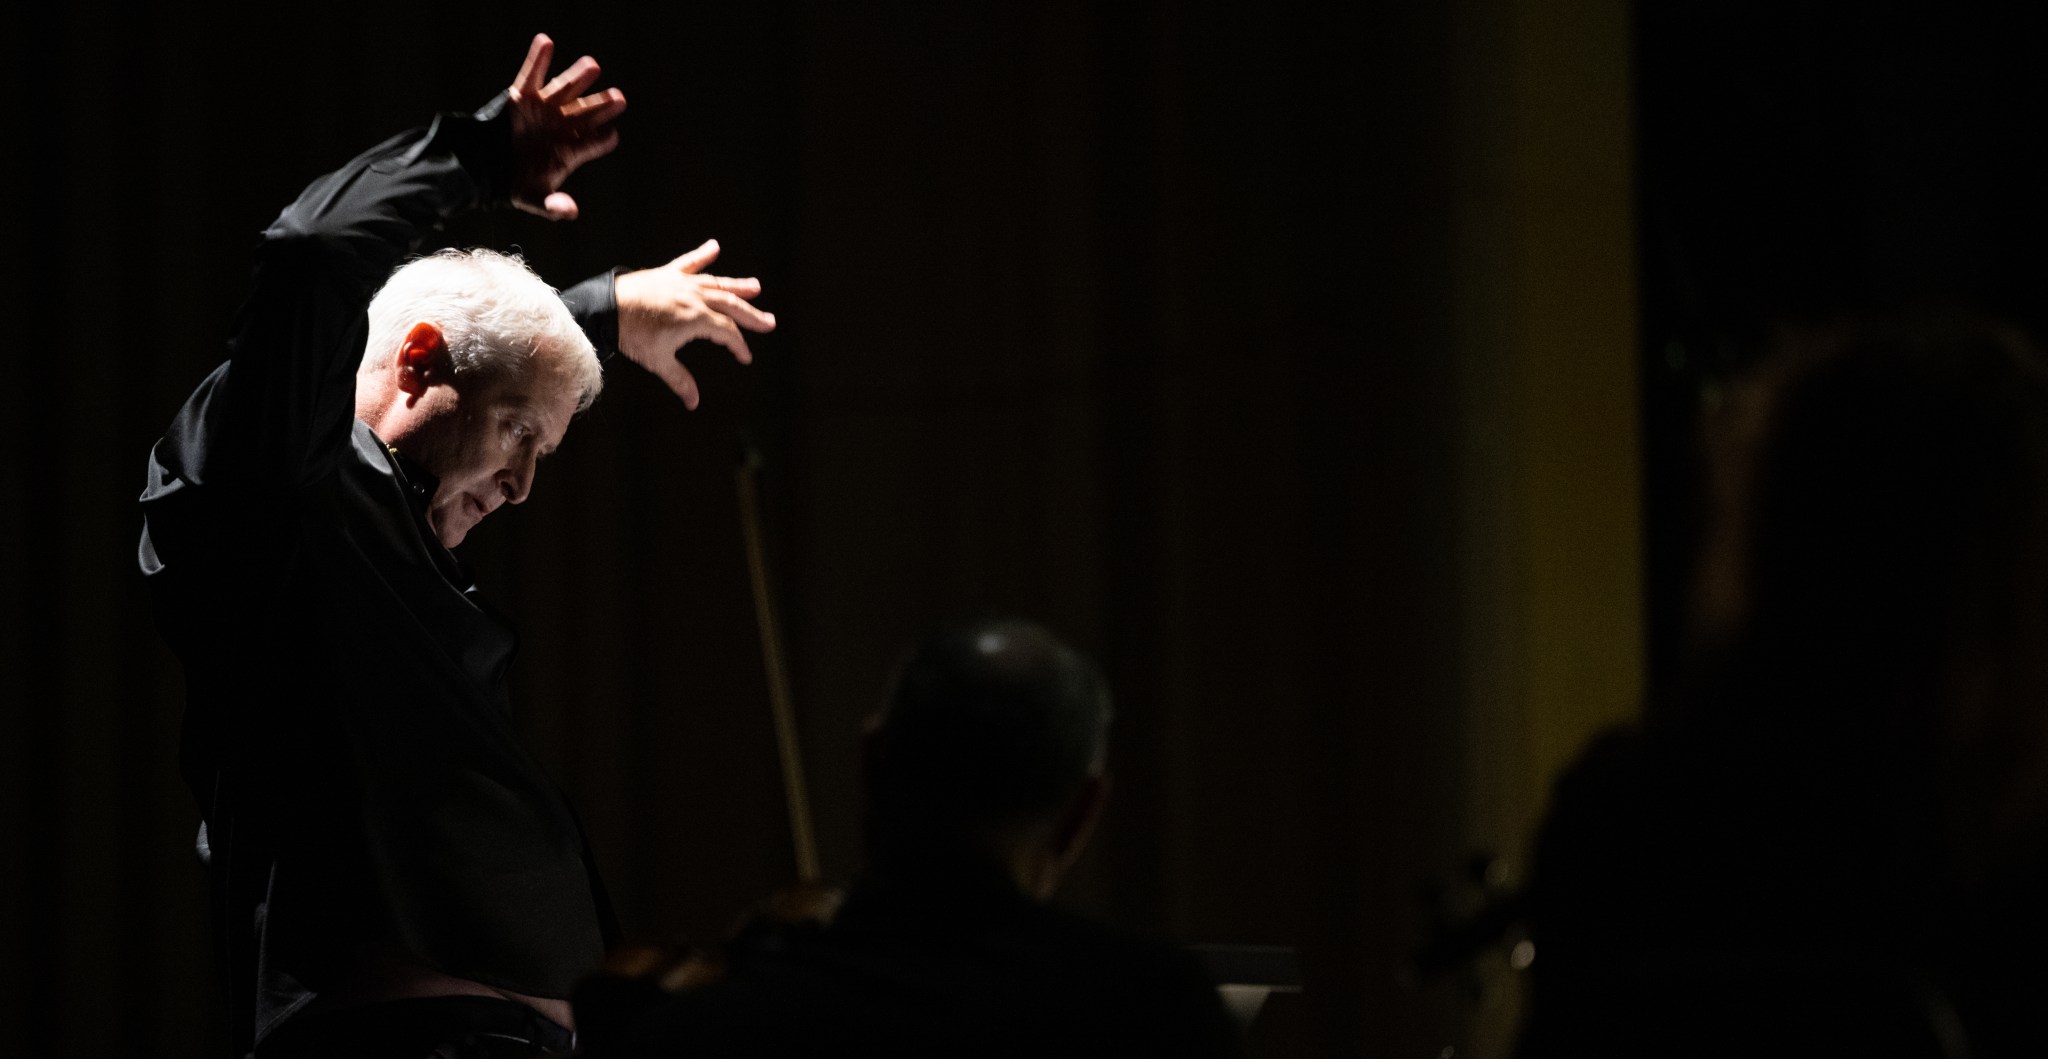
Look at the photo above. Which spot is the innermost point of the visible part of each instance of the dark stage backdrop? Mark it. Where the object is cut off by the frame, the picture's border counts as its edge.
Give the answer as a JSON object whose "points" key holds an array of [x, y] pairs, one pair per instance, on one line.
{"points": [[1281, 357], [1808, 159]]}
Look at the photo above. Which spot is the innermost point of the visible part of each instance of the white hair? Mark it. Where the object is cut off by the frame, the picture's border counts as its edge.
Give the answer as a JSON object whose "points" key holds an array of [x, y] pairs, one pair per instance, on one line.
{"points": [[493, 312]]}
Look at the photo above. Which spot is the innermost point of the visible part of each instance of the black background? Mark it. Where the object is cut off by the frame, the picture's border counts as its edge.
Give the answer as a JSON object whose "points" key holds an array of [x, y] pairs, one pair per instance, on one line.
{"points": [[1128, 317]]}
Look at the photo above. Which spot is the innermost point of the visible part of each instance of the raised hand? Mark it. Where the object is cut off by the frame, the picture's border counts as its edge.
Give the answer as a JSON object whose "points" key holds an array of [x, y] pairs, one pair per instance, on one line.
{"points": [[662, 309], [555, 128]]}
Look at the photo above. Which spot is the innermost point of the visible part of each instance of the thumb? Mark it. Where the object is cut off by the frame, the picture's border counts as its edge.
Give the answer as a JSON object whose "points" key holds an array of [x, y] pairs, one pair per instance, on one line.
{"points": [[696, 260], [560, 207]]}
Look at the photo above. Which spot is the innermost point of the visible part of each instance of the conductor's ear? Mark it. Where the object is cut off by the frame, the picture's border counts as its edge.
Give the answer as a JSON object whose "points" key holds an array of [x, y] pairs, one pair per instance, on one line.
{"points": [[423, 359]]}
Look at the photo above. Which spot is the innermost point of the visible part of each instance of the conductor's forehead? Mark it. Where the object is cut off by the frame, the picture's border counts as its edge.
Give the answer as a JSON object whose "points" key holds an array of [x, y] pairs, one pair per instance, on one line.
{"points": [[543, 391]]}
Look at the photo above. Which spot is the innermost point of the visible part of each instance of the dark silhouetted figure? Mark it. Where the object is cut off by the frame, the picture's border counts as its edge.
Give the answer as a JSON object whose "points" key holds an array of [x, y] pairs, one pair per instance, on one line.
{"points": [[1833, 839], [984, 776]]}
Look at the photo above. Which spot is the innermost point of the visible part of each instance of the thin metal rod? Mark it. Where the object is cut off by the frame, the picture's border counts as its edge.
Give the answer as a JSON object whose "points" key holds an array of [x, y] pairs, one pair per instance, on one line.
{"points": [[745, 478]]}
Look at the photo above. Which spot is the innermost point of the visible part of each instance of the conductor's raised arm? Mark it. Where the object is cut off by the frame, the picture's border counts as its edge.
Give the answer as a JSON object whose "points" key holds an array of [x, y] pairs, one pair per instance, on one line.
{"points": [[556, 129], [663, 309]]}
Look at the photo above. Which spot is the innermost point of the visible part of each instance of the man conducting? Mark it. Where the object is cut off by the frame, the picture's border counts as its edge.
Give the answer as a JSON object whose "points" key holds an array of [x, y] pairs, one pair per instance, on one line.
{"points": [[391, 873], [983, 776]]}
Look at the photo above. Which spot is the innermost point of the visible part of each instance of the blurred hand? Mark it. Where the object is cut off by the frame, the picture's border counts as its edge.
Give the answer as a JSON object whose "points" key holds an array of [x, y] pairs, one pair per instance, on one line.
{"points": [[555, 129], [663, 309]]}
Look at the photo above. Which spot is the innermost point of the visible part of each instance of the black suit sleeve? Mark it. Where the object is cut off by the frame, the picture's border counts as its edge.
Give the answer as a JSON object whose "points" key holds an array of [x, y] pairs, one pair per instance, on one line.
{"points": [[596, 309], [284, 402]]}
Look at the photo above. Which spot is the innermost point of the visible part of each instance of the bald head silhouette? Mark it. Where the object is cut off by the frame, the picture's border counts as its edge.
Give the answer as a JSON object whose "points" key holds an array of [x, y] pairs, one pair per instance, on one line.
{"points": [[992, 738]]}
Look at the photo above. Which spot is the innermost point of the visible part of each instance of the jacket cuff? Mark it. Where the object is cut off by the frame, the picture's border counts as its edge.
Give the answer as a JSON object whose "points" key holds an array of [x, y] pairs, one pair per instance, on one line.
{"points": [[482, 144], [595, 305]]}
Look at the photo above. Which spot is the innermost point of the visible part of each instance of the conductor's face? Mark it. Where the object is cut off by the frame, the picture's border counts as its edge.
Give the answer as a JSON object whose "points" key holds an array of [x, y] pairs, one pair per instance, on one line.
{"points": [[484, 441], [481, 434]]}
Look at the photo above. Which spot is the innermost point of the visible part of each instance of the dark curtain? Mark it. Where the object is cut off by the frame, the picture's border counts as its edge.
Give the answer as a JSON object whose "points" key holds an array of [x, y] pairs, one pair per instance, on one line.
{"points": [[1807, 160], [1131, 318]]}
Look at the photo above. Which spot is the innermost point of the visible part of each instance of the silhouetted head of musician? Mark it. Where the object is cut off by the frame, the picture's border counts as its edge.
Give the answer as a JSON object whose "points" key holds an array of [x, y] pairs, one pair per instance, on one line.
{"points": [[1876, 593], [989, 749]]}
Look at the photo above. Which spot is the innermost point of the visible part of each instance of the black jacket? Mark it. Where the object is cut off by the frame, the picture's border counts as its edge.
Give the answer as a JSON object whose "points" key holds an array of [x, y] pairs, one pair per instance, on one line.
{"points": [[953, 966]]}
